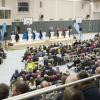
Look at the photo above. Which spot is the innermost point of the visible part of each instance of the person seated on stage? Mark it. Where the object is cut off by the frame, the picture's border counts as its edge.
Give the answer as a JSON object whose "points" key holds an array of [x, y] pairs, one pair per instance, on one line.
{"points": [[4, 91]]}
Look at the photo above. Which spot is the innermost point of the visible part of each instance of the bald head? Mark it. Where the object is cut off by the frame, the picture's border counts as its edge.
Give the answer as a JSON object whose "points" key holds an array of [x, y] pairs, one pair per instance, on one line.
{"points": [[71, 78], [44, 84], [97, 71]]}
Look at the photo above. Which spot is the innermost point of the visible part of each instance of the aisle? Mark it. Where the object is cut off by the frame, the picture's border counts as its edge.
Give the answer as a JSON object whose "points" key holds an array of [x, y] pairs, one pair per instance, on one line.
{"points": [[12, 62]]}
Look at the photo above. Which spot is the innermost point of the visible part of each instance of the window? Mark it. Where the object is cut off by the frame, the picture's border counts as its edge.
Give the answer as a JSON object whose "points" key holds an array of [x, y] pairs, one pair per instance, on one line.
{"points": [[23, 6], [5, 14]]}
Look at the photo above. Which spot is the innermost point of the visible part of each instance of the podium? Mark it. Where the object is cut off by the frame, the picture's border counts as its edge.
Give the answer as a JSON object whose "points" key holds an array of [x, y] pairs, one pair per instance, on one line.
{"points": [[20, 37], [67, 34], [13, 38], [52, 34], [37, 36], [44, 35], [60, 34], [30, 37]]}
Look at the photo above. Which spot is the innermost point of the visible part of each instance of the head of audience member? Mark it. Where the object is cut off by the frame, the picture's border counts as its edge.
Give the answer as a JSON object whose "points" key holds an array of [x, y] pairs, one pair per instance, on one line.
{"points": [[82, 75], [71, 92], [20, 87], [4, 91], [44, 84], [64, 77], [71, 78], [97, 71]]}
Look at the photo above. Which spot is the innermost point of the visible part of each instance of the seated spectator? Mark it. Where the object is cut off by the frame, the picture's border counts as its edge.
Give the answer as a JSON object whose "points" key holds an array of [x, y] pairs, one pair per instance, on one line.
{"points": [[64, 77], [82, 75], [4, 91], [88, 88], [20, 87], [44, 84], [32, 84], [71, 92], [97, 71]]}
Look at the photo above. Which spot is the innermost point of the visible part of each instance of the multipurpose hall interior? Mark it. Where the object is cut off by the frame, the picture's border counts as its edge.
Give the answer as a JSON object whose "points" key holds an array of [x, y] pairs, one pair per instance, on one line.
{"points": [[49, 49]]}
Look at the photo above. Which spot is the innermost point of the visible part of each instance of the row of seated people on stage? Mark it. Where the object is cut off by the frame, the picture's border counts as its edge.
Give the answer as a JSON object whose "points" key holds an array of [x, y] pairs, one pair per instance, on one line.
{"points": [[25, 82], [2, 54], [40, 35], [41, 73]]}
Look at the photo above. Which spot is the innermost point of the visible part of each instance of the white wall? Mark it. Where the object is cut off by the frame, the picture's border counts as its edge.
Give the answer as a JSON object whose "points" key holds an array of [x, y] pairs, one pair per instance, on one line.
{"points": [[64, 9], [54, 9], [95, 10]]}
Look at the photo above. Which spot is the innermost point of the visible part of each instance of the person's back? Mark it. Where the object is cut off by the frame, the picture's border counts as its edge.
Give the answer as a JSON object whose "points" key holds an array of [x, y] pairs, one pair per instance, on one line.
{"points": [[90, 91], [88, 88], [72, 93], [20, 87]]}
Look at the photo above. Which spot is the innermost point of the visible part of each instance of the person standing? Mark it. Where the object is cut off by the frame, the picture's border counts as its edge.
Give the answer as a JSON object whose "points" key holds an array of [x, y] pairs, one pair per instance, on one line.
{"points": [[27, 36], [33, 35], [58, 32], [70, 29], [17, 37], [41, 36]]}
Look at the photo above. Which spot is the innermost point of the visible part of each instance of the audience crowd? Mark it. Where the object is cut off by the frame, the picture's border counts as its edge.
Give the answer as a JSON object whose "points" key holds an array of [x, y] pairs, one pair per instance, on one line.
{"points": [[41, 70]]}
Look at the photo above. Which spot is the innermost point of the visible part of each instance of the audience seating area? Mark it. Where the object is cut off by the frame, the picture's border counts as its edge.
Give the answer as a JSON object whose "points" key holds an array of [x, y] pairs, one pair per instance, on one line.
{"points": [[41, 70]]}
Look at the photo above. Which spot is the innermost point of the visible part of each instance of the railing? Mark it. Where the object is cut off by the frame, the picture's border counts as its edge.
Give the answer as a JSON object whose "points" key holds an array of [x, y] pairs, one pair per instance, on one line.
{"points": [[48, 89]]}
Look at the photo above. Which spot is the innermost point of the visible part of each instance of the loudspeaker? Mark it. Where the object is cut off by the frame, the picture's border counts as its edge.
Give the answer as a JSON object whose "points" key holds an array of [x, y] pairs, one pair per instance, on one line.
{"points": [[87, 16], [42, 16]]}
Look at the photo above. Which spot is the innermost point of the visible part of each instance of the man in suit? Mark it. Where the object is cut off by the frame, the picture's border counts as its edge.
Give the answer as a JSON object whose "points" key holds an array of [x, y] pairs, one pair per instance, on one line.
{"points": [[17, 37]]}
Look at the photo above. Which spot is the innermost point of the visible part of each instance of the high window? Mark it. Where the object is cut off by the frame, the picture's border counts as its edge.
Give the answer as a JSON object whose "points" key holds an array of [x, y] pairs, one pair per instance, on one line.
{"points": [[23, 6]]}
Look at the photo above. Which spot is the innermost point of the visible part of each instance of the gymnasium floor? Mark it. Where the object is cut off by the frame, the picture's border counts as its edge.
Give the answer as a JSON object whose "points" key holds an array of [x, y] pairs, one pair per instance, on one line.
{"points": [[13, 61]]}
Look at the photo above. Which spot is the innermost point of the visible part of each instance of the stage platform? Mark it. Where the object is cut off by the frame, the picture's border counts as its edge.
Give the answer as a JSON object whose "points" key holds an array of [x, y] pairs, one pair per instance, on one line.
{"points": [[37, 43]]}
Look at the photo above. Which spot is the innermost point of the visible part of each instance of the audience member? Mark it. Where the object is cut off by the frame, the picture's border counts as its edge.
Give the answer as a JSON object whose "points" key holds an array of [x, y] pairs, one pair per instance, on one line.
{"points": [[20, 87], [4, 91]]}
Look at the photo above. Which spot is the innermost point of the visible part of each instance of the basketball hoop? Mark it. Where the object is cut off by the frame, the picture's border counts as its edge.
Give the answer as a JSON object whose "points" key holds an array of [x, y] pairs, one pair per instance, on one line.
{"points": [[28, 21]]}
